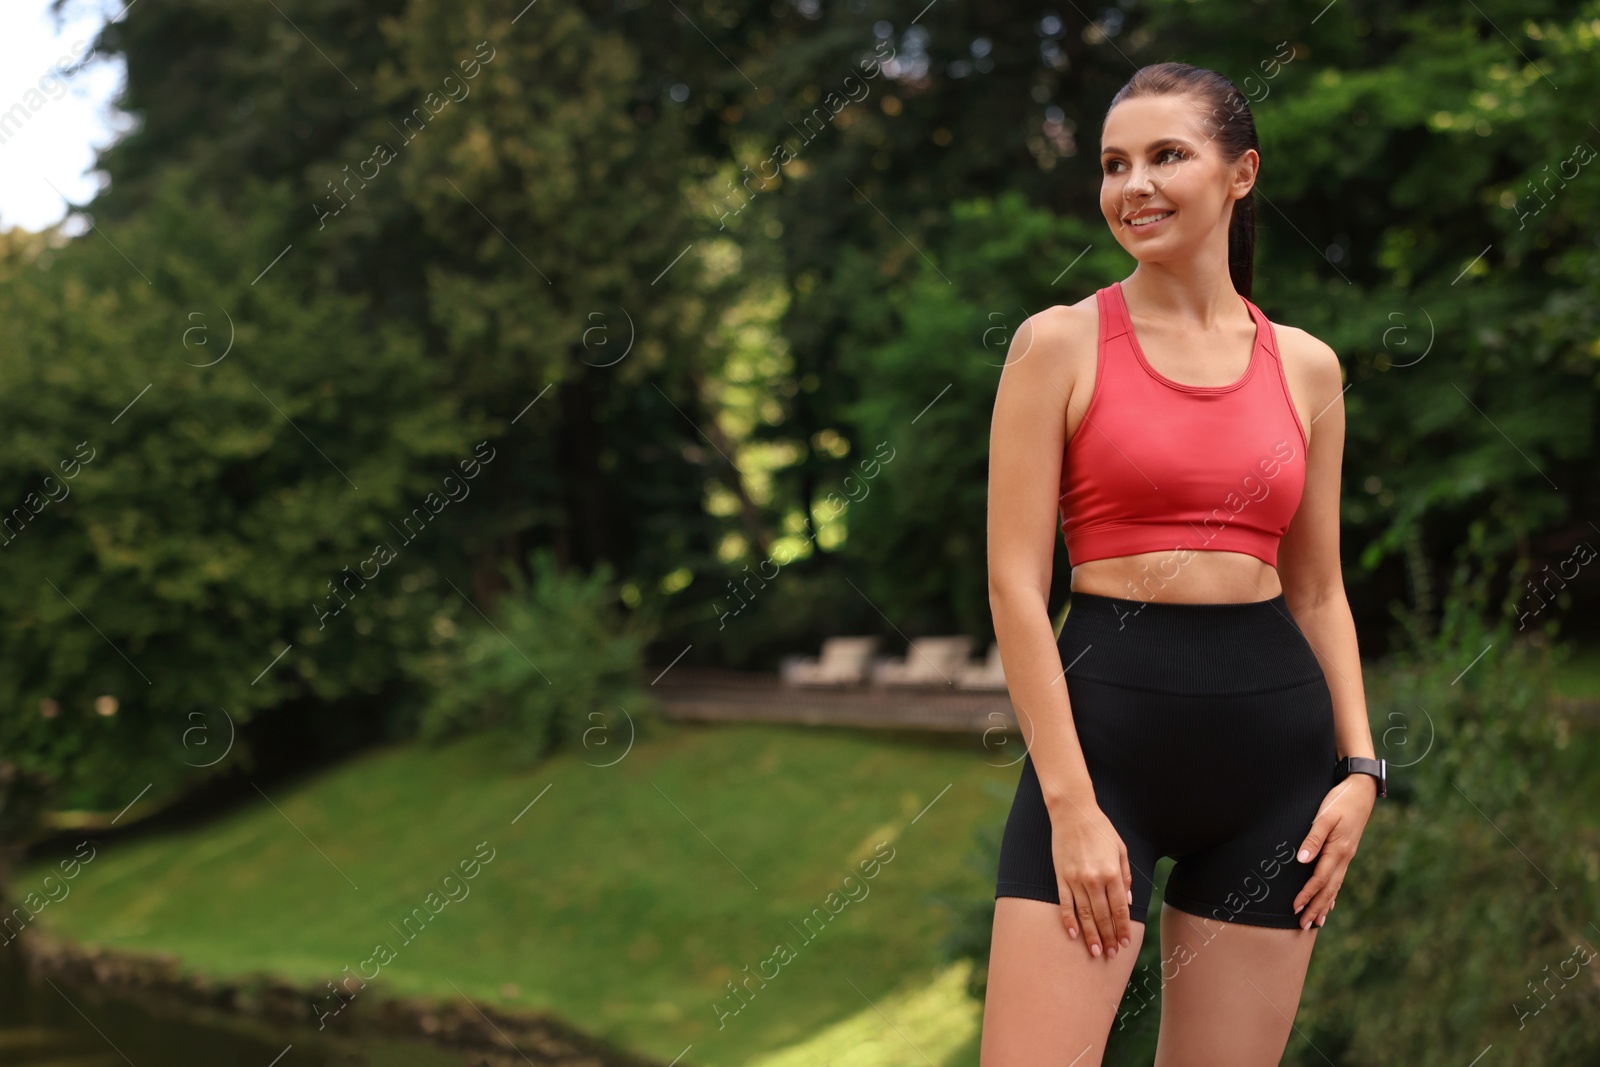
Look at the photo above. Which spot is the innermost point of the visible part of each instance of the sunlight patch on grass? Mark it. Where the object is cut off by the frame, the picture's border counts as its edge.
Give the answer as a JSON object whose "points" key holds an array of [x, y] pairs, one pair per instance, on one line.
{"points": [[920, 1024]]}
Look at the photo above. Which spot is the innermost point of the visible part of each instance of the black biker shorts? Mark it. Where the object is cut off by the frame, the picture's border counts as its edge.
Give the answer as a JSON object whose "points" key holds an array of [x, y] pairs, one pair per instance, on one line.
{"points": [[1208, 733]]}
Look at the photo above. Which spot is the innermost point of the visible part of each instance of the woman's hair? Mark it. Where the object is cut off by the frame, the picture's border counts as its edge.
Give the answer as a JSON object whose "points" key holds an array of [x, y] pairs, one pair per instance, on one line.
{"points": [[1230, 124]]}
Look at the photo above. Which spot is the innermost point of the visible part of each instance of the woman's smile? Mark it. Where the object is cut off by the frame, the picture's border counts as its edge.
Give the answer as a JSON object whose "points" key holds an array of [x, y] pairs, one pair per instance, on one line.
{"points": [[1149, 222]]}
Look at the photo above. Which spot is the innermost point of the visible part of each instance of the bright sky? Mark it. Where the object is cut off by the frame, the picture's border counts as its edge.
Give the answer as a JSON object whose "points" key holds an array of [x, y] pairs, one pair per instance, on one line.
{"points": [[50, 126]]}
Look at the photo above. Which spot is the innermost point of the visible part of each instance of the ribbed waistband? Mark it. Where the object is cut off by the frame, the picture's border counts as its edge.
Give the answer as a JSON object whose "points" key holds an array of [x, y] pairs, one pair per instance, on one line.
{"points": [[1210, 649]]}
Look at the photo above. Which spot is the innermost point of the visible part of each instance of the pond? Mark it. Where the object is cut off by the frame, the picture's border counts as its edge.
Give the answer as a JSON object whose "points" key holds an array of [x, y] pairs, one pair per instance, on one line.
{"points": [[45, 1024]]}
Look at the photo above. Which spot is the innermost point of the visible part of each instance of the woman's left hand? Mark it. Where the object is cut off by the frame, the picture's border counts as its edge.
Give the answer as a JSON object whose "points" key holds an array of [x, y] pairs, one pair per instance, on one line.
{"points": [[1332, 842]]}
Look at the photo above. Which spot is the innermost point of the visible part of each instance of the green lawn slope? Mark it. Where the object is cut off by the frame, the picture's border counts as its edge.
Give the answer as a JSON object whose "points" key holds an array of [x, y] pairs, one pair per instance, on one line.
{"points": [[624, 899]]}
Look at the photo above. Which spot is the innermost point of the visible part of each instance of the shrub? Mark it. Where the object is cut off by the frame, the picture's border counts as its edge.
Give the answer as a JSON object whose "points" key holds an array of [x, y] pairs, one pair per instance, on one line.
{"points": [[554, 667], [172, 533], [1476, 878]]}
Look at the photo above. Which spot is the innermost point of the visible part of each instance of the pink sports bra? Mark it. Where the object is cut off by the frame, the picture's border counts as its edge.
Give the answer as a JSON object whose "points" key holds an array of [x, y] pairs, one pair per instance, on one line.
{"points": [[1158, 466]]}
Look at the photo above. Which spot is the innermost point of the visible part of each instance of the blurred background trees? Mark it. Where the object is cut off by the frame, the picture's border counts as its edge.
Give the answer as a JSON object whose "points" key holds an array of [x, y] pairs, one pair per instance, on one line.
{"points": [[426, 368], [687, 273]]}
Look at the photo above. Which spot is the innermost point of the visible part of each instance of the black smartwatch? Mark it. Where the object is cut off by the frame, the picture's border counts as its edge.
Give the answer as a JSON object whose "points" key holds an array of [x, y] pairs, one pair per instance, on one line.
{"points": [[1349, 765]]}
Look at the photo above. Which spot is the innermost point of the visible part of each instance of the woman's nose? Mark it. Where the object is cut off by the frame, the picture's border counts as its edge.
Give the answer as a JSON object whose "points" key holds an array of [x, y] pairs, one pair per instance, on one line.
{"points": [[1140, 180]]}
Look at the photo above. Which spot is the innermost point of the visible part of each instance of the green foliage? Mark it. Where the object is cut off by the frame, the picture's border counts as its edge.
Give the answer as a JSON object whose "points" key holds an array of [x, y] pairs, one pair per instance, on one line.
{"points": [[524, 238], [224, 511], [1478, 875], [553, 669], [178, 509]]}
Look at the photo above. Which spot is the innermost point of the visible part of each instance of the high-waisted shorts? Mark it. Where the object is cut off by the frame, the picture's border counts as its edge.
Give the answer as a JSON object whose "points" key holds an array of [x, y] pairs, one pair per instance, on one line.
{"points": [[1208, 734]]}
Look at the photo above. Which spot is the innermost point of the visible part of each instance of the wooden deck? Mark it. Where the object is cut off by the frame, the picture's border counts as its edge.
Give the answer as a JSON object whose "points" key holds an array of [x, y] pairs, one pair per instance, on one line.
{"points": [[708, 695]]}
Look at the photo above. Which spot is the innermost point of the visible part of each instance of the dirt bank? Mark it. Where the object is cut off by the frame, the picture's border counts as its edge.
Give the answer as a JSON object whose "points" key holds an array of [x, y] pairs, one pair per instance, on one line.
{"points": [[487, 1036]]}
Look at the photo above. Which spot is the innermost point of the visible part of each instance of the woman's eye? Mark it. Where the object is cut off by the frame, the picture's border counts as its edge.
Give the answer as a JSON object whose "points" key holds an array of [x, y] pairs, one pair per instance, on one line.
{"points": [[1177, 154]]}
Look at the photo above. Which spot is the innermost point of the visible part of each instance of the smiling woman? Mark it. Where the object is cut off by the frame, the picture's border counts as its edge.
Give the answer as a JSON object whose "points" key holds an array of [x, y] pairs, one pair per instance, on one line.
{"points": [[1147, 434]]}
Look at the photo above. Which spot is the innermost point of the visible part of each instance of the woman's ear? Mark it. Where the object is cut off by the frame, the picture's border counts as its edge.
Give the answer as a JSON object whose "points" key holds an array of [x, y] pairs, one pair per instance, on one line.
{"points": [[1245, 169]]}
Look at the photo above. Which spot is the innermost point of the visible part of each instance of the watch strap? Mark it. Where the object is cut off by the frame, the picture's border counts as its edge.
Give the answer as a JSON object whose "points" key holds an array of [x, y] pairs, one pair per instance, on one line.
{"points": [[1378, 768]]}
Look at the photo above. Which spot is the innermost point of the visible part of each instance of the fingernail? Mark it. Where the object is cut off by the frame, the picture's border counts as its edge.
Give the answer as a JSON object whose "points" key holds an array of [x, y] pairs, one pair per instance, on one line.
{"points": [[1126, 941], [1305, 854], [1072, 934], [1094, 950], [1111, 953], [1130, 896], [1321, 919]]}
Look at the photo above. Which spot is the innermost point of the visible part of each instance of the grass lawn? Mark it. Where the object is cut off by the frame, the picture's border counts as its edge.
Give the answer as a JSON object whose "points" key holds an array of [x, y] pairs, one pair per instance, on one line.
{"points": [[623, 900]]}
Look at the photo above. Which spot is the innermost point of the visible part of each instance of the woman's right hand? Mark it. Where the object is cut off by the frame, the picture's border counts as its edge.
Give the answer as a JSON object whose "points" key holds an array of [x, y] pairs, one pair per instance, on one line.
{"points": [[1092, 876]]}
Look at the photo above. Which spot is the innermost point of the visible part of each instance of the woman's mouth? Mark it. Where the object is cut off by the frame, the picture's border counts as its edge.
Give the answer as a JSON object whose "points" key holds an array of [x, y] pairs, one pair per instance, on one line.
{"points": [[1146, 221]]}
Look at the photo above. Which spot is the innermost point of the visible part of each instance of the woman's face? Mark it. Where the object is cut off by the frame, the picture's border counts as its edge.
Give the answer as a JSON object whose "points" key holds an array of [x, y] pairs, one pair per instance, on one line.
{"points": [[1158, 159]]}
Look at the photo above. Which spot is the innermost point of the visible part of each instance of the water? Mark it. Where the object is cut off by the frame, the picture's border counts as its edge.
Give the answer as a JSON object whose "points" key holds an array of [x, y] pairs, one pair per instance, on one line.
{"points": [[47, 1024]]}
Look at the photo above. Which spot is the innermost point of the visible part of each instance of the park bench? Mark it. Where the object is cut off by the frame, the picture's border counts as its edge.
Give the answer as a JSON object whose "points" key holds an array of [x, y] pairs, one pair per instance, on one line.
{"points": [[844, 661], [986, 675], [928, 661]]}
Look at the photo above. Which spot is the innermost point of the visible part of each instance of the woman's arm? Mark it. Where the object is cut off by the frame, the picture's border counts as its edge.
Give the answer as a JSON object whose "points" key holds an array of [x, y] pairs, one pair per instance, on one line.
{"points": [[1026, 441], [1313, 586]]}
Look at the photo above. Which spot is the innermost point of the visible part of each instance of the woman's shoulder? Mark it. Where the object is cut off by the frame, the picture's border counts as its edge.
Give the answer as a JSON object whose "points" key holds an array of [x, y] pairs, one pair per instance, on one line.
{"points": [[1085, 310], [1311, 369], [1065, 334], [1307, 356]]}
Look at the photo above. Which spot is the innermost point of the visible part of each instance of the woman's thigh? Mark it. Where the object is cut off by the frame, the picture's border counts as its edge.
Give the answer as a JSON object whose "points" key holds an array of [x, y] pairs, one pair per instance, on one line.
{"points": [[1229, 991], [1049, 1002]]}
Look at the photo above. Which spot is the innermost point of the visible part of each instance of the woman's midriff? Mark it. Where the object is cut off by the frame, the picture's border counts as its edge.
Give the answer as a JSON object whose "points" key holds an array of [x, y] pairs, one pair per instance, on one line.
{"points": [[1186, 577]]}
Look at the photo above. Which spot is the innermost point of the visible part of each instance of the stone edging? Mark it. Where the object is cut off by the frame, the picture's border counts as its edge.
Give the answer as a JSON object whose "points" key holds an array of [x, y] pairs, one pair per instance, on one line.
{"points": [[157, 983]]}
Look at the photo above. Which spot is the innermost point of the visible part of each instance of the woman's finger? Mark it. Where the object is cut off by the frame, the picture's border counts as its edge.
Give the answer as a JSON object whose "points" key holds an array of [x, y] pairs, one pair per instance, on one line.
{"points": [[1123, 900], [1069, 908], [1321, 828], [1312, 887], [1086, 920], [1329, 876], [1102, 892], [1330, 858], [1333, 898]]}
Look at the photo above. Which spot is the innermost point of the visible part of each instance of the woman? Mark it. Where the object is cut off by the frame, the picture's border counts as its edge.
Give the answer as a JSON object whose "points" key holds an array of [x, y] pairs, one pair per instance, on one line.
{"points": [[1206, 684]]}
